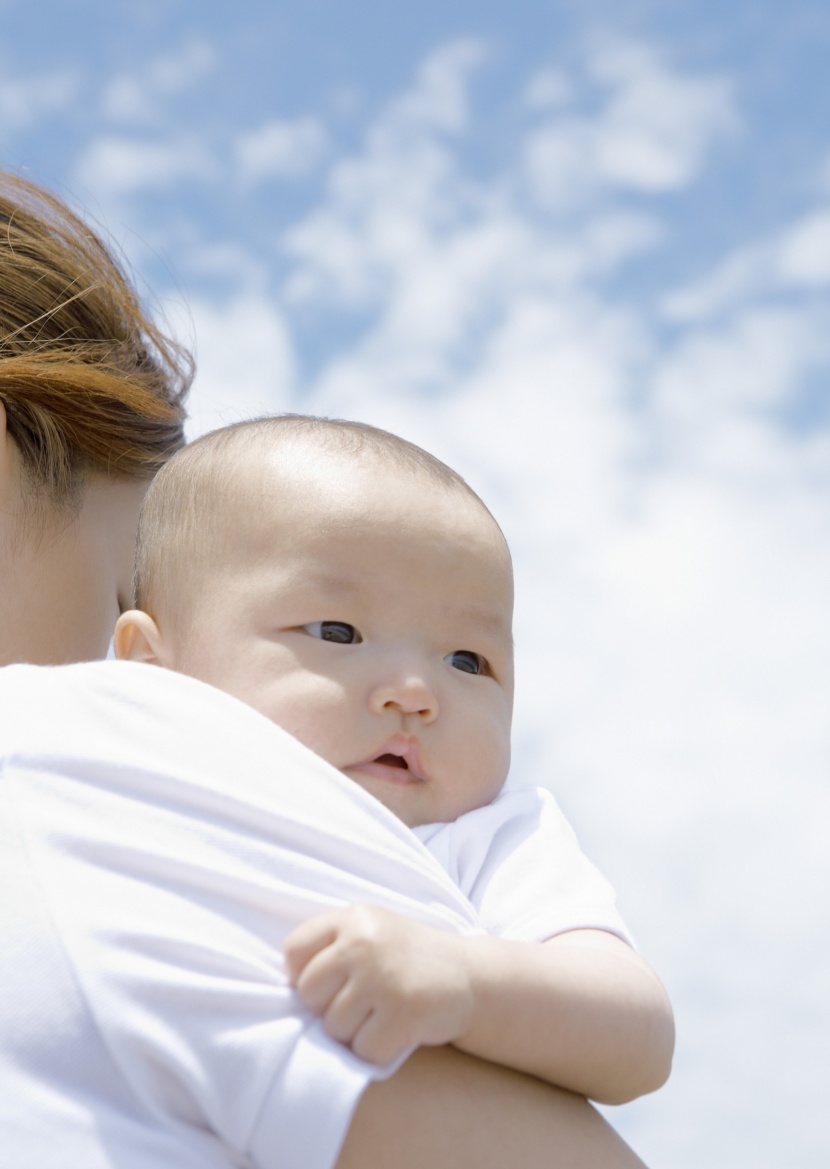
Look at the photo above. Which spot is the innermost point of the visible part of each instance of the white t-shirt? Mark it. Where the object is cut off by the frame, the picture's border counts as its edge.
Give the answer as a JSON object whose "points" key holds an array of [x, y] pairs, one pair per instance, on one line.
{"points": [[518, 862], [158, 840]]}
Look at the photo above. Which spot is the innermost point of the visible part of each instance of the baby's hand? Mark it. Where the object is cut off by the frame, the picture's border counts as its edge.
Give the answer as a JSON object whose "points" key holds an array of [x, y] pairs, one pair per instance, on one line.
{"points": [[381, 982]]}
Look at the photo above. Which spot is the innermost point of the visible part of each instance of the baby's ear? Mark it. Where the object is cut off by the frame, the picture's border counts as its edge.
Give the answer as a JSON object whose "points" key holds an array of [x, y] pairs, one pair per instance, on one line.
{"points": [[137, 638]]}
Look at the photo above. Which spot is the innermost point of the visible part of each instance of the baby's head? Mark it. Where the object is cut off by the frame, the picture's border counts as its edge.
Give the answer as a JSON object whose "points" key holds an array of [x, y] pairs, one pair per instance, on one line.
{"points": [[351, 588]]}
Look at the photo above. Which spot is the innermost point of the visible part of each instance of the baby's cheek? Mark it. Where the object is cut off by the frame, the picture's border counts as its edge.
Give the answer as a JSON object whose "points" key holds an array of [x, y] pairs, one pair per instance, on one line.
{"points": [[494, 755], [314, 714], [481, 772]]}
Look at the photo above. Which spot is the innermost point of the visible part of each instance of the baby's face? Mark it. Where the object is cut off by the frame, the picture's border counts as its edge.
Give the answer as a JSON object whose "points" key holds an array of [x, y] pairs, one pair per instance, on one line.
{"points": [[367, 611]]}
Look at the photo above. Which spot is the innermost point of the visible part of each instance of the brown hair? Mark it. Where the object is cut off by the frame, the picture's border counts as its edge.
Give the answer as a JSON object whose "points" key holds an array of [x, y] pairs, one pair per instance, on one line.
{"points": [[181, 519], [88, 382]]}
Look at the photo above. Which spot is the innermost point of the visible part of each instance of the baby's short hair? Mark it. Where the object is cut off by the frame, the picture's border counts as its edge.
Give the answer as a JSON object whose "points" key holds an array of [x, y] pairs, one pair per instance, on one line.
{"points": [[181, 525]]}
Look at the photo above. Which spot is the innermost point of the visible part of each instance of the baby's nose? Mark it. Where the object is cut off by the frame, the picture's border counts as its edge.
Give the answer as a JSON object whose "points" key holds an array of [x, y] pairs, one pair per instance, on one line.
{"points": [[411, 693]]}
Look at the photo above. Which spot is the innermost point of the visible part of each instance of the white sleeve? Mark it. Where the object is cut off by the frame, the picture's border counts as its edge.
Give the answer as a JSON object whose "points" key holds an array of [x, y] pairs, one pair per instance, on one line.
{"points": [[177, 837], [519, 863]]}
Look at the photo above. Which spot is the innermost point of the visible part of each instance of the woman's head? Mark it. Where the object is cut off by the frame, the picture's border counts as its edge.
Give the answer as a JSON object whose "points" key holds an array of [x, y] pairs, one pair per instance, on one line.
{"points": [[91, 407], [88, 382]]}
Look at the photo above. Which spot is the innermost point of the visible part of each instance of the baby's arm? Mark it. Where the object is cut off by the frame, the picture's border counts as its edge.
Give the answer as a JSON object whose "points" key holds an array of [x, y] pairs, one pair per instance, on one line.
{"points": [[582, 1010]]}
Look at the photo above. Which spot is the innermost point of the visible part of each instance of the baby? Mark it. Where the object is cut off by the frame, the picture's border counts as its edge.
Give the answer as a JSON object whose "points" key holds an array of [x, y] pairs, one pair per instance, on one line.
{"points": [[355, 591]]}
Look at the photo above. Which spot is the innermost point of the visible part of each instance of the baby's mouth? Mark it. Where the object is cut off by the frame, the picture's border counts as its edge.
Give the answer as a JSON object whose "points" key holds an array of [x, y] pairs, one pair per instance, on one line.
{"points": [[392, 761], [391, 767]]}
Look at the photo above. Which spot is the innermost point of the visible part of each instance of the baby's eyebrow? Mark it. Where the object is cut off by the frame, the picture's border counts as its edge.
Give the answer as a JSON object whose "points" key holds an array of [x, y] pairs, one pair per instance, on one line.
{"points": [[330, 582], [489, 622]]}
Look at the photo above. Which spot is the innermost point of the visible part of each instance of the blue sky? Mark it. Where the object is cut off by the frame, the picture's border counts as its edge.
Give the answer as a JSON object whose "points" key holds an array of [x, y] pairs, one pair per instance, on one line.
{"points": [[582, 252]]}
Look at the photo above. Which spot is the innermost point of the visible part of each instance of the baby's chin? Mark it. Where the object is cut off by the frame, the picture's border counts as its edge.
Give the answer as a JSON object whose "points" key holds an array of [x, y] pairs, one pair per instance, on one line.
{"points": [[404, 794], [414, 800]]}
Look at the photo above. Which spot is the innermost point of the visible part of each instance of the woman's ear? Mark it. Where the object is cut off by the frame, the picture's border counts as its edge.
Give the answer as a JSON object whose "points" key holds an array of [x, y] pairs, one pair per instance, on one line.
{"points": [[137, 638]]}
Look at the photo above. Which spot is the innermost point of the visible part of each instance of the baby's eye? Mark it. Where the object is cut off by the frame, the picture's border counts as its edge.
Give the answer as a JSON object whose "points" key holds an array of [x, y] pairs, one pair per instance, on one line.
{"points": [[338, 631], [468, 662]]}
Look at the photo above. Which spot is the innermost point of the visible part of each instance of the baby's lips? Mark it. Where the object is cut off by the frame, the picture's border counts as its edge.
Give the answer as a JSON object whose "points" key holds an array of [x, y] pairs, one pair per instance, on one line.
{"points": [[399, 754], [391, 760], [403, 748]]}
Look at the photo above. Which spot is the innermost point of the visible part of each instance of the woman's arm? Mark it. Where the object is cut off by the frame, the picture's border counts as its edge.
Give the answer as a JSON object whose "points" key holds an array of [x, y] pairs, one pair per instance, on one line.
{"points": [[447, 1110], [582, 1011]]}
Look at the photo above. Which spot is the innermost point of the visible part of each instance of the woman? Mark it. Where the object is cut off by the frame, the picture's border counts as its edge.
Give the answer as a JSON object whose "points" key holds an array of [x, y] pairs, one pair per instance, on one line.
{"points": [[90, 407]]}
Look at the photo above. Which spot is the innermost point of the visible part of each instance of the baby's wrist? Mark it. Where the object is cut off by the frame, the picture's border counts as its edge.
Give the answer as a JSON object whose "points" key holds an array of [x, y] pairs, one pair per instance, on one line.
{"points": [[469, 964]]}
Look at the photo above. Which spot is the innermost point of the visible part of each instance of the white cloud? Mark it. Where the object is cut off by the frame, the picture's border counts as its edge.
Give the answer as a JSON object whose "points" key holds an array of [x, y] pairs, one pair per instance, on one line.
{"points": [[126, 99], [550, 87], [24, 103], [245, 362], [280, 148], [115, 166], [231, 263], [405, 230], [823, 176], [795, 256], [174, 72], [752, 364], [373, 223], [805, 252], [747, 271], [139, 96], [438, 101], [651, 135]]}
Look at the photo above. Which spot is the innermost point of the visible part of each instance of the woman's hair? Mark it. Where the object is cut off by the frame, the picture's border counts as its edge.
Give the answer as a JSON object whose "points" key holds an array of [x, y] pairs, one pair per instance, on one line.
{"points": [[88, 382]]}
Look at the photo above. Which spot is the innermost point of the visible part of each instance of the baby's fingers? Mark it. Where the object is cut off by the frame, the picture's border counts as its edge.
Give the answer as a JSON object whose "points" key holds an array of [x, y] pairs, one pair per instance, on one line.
{"points": [[321, 979], [307, 940], [352, 1019], [378, 1040], [346, 1014]]}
